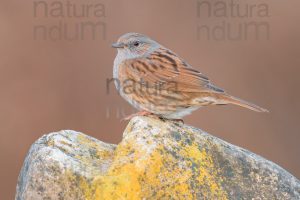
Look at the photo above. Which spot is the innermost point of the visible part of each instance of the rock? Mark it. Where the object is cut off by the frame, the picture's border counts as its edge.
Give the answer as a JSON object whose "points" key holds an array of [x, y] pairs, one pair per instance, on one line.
{"points": [[155, 160]]}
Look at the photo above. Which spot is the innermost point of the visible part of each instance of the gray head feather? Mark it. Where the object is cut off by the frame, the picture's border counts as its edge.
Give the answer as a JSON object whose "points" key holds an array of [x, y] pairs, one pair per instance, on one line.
{"points": [[135, 45]]}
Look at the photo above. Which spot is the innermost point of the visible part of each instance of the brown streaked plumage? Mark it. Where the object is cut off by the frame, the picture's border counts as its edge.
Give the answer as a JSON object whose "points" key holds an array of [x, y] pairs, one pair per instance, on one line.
{"points": [[156, 80]]}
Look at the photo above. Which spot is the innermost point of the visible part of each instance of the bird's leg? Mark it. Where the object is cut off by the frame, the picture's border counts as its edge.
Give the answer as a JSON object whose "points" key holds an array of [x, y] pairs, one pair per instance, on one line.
{"points": [[146, 113], [140, 113], [176, 121]]}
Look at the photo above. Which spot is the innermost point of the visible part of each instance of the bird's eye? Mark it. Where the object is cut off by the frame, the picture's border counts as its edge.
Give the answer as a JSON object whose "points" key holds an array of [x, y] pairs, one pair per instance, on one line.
{"points": [[136, 44]]}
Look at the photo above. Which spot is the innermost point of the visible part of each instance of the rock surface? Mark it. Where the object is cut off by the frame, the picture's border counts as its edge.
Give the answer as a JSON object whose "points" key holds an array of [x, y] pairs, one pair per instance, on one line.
{"points": [[155, 160]]}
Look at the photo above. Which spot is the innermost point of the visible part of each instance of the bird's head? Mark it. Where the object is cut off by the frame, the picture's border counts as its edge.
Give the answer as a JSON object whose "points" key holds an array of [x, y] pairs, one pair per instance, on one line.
{"points": [[135, 45]]}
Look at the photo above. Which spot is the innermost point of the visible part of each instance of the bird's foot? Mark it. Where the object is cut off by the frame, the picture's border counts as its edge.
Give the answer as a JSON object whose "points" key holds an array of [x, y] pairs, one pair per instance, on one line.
{"points": [[146, 113], [176, 121], [140, 113]]}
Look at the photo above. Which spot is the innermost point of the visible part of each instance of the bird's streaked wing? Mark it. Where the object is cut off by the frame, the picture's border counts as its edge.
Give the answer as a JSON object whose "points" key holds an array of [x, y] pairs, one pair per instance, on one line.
{"points": [[165, 67]]}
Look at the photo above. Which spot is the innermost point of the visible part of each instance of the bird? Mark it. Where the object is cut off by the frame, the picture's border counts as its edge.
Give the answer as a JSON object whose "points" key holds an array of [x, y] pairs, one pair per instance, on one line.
{"points": [[156, 81]]}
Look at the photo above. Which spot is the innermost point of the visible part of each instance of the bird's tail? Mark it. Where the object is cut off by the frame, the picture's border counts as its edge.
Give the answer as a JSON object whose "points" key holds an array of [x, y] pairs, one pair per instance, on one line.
{"points": [[227, 99]]}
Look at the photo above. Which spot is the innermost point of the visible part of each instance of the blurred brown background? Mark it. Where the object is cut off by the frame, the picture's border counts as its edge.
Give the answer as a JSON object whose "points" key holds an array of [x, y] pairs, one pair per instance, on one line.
{"points": [[48, 85]]}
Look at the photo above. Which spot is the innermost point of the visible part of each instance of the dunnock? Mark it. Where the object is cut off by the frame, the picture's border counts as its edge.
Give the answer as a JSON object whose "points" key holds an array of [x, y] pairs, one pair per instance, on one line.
{"points": [[157, 81]]}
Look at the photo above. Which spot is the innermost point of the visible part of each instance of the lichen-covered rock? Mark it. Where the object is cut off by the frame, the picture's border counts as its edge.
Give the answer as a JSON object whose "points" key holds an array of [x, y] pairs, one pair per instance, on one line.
{"points": [[155, 160]]}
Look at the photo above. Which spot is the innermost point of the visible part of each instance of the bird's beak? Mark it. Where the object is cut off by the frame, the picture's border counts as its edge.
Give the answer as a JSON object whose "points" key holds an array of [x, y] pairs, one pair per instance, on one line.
{"points": [[118, 45]]}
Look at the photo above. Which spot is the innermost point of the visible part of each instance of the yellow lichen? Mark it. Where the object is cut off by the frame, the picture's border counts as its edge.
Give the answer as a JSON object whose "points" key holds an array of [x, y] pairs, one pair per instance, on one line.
{"points": [[159, 173], [208, 173]]}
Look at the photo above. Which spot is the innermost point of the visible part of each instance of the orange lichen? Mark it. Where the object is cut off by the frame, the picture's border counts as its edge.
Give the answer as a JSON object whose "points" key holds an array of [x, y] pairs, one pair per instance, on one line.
{"points": [[136, 175], [156, 167]]}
